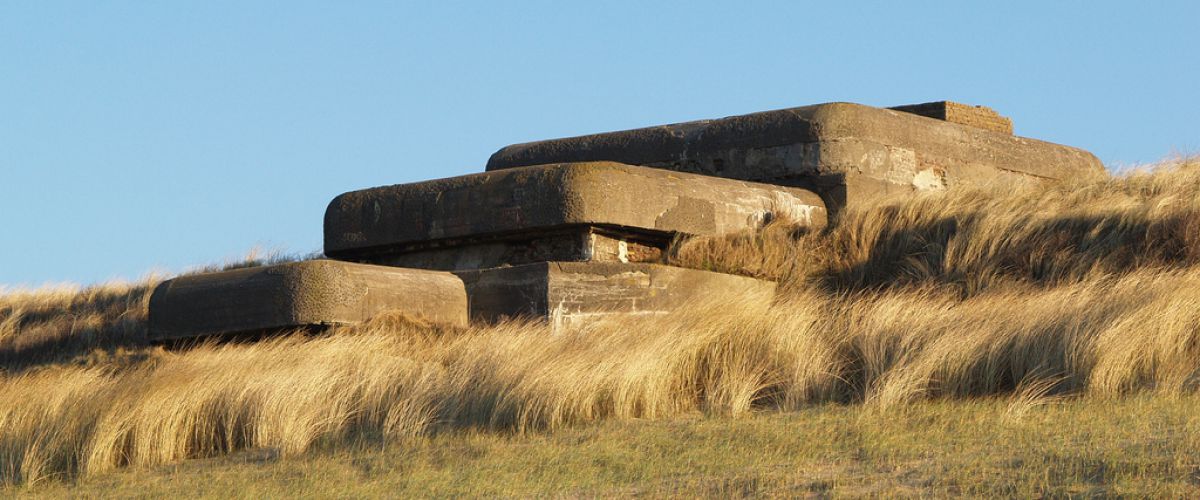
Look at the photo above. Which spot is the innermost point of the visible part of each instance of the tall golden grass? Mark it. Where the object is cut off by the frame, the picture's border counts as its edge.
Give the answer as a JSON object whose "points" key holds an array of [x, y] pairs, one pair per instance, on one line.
{"points": [[57, 323], [1090, 290], [973, 238]]}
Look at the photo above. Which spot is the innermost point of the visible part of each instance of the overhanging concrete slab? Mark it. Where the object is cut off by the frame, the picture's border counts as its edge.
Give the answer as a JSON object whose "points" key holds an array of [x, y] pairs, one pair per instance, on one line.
{"points": [[568, 211]]}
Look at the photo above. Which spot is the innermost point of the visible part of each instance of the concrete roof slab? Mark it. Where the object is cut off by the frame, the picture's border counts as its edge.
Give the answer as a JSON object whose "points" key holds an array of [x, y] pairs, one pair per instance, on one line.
{"points": [[546, 197], [829, 144]]}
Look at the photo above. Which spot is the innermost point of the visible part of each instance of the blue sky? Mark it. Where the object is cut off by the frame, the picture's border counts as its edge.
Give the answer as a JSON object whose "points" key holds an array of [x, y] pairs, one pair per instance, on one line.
{"points": [[161, 135]]}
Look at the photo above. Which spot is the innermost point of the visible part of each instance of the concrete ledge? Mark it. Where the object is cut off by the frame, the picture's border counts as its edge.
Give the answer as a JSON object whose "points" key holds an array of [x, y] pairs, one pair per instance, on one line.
{"points": [[311, 293], [519, 204], [860, 150], [567, 293]]}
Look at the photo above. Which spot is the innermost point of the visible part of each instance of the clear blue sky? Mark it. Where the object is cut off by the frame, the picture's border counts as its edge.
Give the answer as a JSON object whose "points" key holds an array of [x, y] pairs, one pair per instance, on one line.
{"points": [[160, 135]]}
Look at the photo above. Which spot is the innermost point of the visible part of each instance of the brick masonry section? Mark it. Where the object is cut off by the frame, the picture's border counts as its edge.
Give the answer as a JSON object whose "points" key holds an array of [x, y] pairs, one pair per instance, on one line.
{"points": [[964, 114]]}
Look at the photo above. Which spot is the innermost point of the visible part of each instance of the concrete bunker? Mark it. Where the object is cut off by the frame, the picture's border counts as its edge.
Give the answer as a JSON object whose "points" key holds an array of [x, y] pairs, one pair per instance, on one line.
{"points": [[569, 230]]}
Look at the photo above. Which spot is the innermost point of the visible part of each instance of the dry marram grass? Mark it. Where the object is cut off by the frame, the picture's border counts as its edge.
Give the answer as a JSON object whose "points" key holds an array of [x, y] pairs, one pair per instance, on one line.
{"points": [[1085, 291]]}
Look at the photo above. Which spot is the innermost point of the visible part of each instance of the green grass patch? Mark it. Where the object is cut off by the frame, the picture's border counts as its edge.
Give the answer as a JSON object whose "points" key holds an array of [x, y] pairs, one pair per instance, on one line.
{"points": [[1145, 445]]}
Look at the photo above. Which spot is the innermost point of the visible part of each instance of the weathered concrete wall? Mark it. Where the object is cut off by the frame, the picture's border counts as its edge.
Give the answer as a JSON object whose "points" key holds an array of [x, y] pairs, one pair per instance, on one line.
{"points": [[963, 114], [567, 293], [845, 151], [320, 292], [549, 212]]}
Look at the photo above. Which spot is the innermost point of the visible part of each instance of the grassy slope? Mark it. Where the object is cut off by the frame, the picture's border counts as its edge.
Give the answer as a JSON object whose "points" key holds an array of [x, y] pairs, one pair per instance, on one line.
{"points": [[1140, 445], [915, 345]]}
